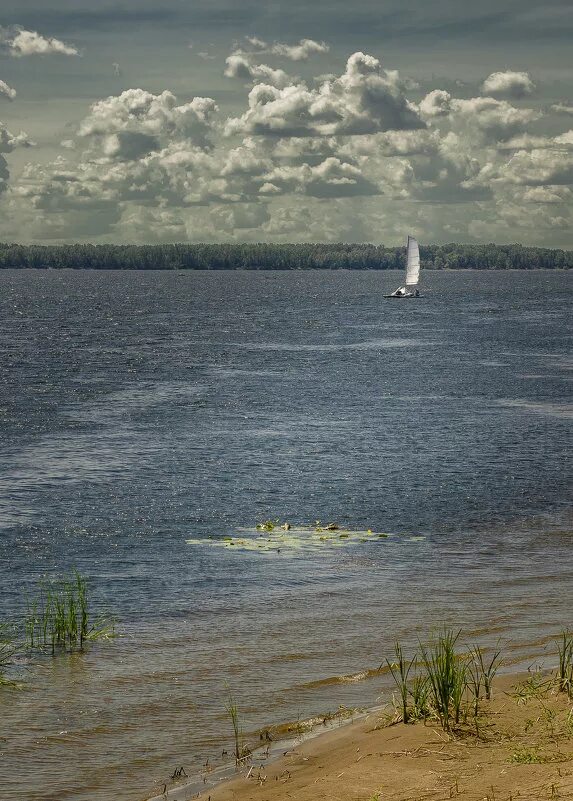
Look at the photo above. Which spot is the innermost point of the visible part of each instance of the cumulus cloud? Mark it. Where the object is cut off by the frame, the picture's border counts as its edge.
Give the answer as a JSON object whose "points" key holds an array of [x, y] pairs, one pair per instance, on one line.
{"points": [[437, 103], [300, 51], [297, 52], [154, 168], [137, 122], [8, 143], [548, 194], [508, 84], [330, 178], [238, 66], [18, 42], [538, 167], [562, 108], [493, 120], [364, 99], [7, 91], [529, 142]]}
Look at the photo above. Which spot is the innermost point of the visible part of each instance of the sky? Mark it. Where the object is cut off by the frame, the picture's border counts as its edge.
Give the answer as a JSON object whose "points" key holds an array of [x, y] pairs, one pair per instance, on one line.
{"points": [[286, 121]]}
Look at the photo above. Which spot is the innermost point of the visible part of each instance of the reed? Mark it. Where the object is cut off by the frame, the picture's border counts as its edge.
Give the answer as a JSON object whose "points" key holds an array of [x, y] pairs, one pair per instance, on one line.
{"points": [[486, 667], [447, 674], [565, 670], [59, 619], [7, 650], [233, 711], [400, 670], [419, 693]]}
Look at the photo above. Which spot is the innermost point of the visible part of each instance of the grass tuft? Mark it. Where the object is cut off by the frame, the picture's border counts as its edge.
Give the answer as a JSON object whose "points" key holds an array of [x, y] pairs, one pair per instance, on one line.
{"points": [[565, 670], [58, 619]]}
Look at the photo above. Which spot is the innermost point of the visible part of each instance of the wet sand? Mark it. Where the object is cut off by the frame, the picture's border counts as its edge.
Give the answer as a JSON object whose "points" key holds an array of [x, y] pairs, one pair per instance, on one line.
{"points": [[523, 749]]}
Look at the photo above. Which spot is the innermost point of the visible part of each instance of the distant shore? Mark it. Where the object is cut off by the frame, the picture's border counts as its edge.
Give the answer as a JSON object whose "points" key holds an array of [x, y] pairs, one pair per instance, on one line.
{"points": [[267, 256], [523, 748]]}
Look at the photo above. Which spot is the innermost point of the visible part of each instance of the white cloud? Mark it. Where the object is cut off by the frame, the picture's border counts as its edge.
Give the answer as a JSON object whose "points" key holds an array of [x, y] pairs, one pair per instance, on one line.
{"points": [[538, 167], [508, 84], [346, 156], [300, 51], [548, 194], [241, 216], [7, 91], [18, 42], [238, 66], [297, 52], [8, 143], [137, 122], [562, 108], [437, 103], [493, 120], [364, 99], [330, 178], [528, 142]]}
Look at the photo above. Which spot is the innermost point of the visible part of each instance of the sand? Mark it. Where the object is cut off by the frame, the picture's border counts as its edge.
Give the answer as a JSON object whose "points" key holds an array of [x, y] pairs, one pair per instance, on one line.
{"points": [[523, 750]]}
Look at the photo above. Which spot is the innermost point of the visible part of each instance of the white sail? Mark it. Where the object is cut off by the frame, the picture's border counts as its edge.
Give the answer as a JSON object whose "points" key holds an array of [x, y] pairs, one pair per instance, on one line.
{"points": [[413, 263]]}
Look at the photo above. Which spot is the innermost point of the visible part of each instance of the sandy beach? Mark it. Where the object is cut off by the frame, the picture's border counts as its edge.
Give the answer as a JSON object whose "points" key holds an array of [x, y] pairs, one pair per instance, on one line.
{"points": [[522, 748]]}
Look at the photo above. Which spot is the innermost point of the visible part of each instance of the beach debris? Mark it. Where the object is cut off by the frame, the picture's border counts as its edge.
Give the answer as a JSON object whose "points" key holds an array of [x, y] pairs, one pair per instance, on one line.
{"points": [[179, 773]]}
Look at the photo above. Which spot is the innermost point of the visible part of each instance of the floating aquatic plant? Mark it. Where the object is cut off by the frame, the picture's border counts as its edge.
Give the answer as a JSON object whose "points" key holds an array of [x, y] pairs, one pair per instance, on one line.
{"points": [[274, 537]]}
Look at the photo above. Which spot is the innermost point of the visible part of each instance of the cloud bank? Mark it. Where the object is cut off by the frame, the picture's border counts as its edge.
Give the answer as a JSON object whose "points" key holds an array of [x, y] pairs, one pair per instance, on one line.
{"points": [[363, 153]]}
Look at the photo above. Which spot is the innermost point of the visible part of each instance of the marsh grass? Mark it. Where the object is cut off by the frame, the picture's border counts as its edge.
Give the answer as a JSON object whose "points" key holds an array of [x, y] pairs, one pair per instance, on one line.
{"points": [[400, 669], [443, 681], [447, 673], [58, 618], [7, 650], [487, 667], [241, 753], [565, 669]]}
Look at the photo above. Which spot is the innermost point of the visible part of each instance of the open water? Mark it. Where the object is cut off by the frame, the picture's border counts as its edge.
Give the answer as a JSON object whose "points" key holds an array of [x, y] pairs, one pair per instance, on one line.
{"points": [[140, 410]]}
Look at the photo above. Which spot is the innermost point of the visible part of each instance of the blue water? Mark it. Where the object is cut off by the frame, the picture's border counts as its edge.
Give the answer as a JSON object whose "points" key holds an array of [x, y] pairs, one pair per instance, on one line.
{"points": [[138, 410]]}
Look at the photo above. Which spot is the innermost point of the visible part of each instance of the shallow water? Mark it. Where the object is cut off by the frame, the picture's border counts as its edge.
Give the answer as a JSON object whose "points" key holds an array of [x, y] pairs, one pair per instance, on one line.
{"points": [[142, 410]]}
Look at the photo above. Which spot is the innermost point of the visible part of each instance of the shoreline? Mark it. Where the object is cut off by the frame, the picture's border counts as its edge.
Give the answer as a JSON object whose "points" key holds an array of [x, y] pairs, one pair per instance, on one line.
{"points": [[524, 746]]}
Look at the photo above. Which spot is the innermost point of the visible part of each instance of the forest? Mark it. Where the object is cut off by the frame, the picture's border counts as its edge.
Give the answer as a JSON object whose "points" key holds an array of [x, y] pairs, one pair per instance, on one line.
{"points": [[263, 256]]}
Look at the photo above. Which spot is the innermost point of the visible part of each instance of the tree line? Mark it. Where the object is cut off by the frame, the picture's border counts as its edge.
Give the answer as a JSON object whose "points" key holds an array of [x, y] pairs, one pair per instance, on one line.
{"points": [[264, 256]]}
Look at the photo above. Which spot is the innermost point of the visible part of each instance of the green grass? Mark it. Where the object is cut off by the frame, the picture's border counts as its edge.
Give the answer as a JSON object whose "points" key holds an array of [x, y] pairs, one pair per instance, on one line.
{"points": [[58, 618], [7, 650], [442, 681], [565, 669], [529, 756], [486, 667], [233, 713], [400, 669], [447, 674]]}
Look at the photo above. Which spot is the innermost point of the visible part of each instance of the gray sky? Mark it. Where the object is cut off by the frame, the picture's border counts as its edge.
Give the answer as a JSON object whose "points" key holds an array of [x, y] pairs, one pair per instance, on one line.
{"points": [[281, 121]]}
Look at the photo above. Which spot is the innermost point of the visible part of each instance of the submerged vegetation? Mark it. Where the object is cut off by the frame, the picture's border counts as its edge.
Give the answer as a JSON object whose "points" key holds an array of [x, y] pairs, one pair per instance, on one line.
{"points": [[265, 256], [58, 619]]}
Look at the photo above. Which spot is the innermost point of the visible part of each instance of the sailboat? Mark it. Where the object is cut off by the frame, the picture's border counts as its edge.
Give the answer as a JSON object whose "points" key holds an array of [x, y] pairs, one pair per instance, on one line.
{"points": [[410, 288]]}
